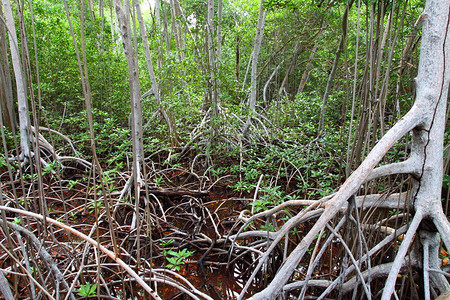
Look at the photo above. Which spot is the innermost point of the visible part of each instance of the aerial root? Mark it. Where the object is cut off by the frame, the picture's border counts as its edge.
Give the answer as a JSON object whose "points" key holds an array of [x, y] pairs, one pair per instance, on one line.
{"points": [[77, 233], [44, 255], [313, 210], [431, 243], [5, 288], [44, 144]]}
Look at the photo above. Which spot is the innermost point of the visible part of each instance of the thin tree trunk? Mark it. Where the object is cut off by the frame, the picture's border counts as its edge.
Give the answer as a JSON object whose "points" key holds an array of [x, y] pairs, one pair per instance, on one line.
{"points": [[165, 27], [176, 28], [155, 88], [212, 93], [160, 32], [297, 49], [305, 74], [6, 91], [328, 87], [253, 76], [219, 29], [135, 93], [24, 119]]}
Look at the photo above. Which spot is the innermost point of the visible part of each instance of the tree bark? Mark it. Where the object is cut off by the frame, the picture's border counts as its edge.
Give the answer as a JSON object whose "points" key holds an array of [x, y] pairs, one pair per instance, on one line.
{"points": [[23, 111], [254, 71], [427, 120], [6, 92], [135, 89], [156, 92], [342, 43]]}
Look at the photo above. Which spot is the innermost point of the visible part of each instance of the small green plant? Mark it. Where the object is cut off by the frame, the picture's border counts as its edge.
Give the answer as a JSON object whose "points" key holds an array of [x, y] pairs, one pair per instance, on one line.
{"points": [[23, 201], [321, 236], [107, 181], [166, 243], [267, 227], [177, 259], [243, 186], [295, 230], [88, 290], [30, 177], [73, 183], [394, 212], [95, 206], [51, 167], [158, 181], [17, 220], [3, 162], [270, 196]]}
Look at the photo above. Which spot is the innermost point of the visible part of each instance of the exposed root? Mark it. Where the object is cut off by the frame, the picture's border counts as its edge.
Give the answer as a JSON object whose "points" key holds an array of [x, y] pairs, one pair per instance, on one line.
{"points": [[94, 243]]}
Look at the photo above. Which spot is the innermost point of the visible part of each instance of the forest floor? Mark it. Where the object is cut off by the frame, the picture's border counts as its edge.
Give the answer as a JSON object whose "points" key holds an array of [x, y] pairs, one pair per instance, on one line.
{"points": [[183, 229]]}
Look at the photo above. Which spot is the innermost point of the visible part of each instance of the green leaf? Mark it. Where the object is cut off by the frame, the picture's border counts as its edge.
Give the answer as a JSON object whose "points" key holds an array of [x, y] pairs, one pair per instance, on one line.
{"points": [[87, 290]]}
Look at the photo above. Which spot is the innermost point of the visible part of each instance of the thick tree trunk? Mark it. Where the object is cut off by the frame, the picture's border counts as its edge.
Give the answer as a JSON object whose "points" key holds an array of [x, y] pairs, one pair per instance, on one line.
{"points": [[428, 137], [427, 120]]}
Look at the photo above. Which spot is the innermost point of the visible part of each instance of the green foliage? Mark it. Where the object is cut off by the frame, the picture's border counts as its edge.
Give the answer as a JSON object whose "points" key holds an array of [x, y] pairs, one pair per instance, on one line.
{"points": [[277, 4], [9, 141], [446, 181], [394, 212], [95, 206], [267, 227], [271, 196], [23, 201], [314, 169], [87, 290], [166, 243], [72, 184], [158, 181], [3, 162], [177, 258]]}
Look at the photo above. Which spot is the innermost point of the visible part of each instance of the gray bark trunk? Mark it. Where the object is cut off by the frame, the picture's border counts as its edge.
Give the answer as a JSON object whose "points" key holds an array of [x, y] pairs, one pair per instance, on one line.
{"points": [[254, 71], [172, 128], [135, 93], [256, 49], [427, 120], [335, 65], [6, 92], [23, 112]]}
